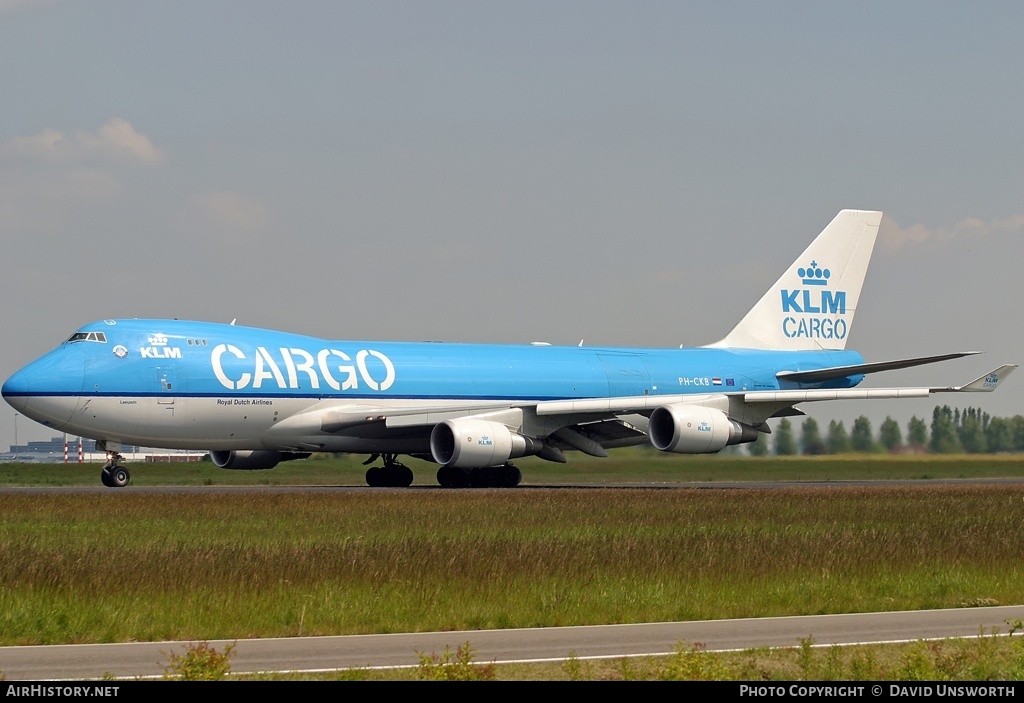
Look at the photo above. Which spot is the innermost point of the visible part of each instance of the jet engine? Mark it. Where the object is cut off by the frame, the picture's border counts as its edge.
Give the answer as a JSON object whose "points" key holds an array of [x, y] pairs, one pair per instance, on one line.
{"points": [[470, 443], [252, 460], [692, 429]]}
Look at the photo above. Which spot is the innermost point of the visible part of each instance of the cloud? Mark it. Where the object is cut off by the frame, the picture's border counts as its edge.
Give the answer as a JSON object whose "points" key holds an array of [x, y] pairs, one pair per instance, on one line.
{"points": [[117, 138], [115, 141], [893, 238], [47, 178], [48, 144]]}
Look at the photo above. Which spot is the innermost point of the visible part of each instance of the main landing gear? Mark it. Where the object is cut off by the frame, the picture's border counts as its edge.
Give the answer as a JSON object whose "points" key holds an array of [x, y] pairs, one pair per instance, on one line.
{"points": [[391, 475], [396, 475], [507, 476], [113, 474]]}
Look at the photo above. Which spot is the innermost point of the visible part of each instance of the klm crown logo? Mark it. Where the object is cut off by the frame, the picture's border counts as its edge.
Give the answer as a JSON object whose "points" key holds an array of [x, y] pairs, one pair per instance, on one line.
{"points": [[814, 276], [158, 349], [804, 301]]}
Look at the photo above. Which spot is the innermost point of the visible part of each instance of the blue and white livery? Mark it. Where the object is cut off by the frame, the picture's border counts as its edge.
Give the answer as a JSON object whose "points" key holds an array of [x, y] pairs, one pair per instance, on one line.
{"points": [[255, 397]]}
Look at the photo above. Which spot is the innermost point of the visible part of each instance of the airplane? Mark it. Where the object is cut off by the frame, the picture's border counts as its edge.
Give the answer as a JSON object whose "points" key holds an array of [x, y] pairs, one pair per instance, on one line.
{"points": [[255, 397]]}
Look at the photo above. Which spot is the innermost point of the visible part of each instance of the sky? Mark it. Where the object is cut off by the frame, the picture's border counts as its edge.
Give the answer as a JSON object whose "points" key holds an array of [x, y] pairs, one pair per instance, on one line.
{"points": [[626, 173]]}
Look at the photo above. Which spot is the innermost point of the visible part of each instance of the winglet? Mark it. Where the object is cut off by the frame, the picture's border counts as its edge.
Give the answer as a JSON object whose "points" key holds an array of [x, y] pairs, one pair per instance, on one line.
{"points": [[982, 384]]}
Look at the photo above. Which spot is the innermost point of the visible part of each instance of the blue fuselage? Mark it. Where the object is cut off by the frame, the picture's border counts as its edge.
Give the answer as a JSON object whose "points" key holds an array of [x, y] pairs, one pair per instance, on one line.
{"points": [[204, 385], [146, 358]]}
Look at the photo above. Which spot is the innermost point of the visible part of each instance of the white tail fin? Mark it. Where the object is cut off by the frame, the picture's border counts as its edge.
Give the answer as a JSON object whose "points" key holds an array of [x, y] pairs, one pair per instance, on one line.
{"points": [[812, 305]]}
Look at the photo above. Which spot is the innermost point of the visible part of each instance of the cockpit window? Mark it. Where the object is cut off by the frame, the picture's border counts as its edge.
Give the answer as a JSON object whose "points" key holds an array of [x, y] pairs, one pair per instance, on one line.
{"points": [[88, 337]]}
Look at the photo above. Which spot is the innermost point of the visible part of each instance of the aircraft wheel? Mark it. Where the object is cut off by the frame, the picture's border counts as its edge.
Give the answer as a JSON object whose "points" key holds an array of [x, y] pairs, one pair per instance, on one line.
{"points": [[119, 477], [445, 479], [510, 476], [453, 477], [401, 477], [374, 476], [105, 478]]}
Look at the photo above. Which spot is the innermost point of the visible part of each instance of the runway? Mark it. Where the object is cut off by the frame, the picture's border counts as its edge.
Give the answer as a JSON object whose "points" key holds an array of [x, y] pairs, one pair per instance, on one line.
{"points": [[311, 654], [674, 485]]}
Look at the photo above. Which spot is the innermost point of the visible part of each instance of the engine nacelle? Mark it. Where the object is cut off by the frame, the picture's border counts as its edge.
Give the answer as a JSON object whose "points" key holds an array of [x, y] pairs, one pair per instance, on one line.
{"points": [[692, 429], [252, 460], [469, 443]]}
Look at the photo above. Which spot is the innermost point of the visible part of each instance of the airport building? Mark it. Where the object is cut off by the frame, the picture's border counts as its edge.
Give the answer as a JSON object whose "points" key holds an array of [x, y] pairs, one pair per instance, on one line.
{"points": [[53, 451]]}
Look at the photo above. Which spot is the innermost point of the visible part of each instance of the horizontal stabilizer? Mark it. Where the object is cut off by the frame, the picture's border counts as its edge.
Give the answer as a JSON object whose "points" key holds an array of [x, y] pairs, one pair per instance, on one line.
{"points": [[818, 375]]}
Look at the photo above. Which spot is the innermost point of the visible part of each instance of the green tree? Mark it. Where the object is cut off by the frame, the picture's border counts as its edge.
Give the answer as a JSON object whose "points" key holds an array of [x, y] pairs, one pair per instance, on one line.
{"points": [[917, 433], [971, 431], [810, 437], [945, 439], [759, 447], [999, 435], [889, 434], [861, 439], [1017, 427], [838, 442], [785, 445]]}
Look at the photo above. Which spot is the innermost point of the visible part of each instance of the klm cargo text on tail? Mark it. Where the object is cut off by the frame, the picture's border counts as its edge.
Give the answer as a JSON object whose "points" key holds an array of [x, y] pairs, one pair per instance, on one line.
{"points": [[814, 307]]}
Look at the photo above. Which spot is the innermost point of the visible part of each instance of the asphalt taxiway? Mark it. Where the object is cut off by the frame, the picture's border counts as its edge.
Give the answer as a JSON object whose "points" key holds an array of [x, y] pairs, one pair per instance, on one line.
{"points": [[313, 654]]}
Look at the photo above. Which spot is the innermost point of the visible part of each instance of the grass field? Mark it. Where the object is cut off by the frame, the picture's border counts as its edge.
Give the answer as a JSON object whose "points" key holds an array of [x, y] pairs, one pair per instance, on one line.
{"points": [[121, 565]]}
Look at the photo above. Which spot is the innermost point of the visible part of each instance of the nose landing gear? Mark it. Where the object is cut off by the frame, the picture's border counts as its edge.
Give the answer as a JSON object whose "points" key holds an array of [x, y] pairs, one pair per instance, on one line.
{"points": [[113, 474]]}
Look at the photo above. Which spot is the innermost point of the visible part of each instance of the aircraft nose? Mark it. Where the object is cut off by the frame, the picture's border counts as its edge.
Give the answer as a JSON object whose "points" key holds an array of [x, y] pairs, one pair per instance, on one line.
{"points": [[15, 391], [48, 389]]}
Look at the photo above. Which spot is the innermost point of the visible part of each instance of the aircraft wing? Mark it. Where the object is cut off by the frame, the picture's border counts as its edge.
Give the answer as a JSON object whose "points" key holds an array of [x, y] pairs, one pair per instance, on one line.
{"points": [[625, 404], [335, 419], [338, 418], [591, 425], [985, 384]]}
